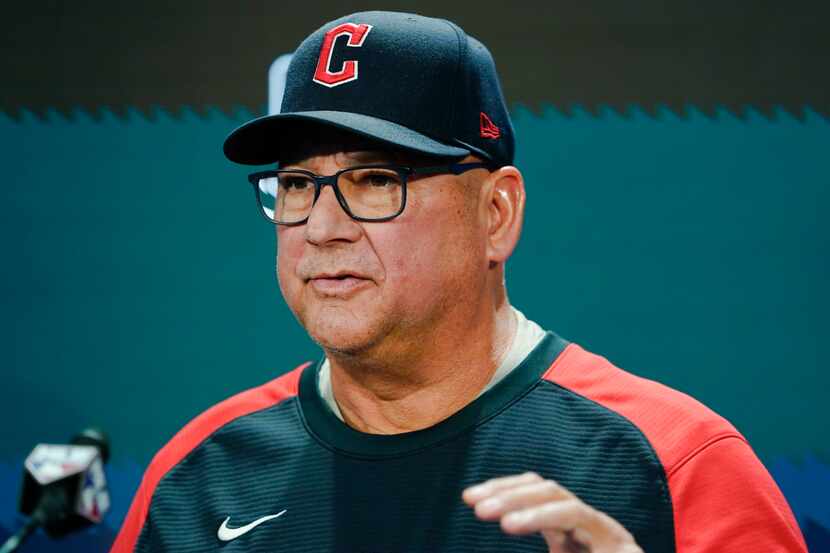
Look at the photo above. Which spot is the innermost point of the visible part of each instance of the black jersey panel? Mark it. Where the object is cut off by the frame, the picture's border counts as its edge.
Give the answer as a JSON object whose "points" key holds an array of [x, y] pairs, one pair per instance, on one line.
{"points": [[267, 462]]}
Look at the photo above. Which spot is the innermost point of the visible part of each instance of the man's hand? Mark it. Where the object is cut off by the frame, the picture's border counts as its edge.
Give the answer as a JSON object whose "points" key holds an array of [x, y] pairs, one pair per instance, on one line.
{"points": [[528, 503]]}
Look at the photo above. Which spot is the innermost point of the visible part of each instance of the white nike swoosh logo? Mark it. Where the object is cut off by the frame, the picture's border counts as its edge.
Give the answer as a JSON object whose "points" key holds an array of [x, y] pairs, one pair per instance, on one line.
{"points": [[228, 534]]}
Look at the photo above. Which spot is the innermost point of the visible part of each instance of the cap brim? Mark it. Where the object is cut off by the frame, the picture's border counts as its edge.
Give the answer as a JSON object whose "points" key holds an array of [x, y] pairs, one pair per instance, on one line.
{"points": [[259, 142]]}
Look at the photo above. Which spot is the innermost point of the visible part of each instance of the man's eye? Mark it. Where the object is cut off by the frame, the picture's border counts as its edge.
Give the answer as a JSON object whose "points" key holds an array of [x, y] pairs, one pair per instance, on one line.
{"points": [[295, 183], [381, 180]]}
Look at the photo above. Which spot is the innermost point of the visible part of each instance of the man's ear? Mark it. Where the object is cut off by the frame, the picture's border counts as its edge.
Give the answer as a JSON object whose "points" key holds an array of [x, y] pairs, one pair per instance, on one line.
{"points": [[505, 199]]}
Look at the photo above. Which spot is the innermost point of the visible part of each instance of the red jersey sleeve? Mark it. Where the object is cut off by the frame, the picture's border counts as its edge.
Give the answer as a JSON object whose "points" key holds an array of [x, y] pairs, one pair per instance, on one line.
{"points": [[725, 501], [130, 529]]}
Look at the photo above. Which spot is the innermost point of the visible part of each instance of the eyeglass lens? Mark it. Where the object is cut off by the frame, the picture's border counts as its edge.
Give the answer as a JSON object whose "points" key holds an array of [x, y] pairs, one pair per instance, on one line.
{"points": [[369, 193]]}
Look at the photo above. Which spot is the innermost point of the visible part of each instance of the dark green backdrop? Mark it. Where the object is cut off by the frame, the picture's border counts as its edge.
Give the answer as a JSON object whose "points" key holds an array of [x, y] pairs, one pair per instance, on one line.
{"points": [[138, 280], [682, 234]]}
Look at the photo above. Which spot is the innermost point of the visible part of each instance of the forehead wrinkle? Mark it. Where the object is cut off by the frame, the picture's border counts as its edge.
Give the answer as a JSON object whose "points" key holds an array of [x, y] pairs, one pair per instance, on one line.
{"points": [[346, 158], [348, 155], [361, 156]]}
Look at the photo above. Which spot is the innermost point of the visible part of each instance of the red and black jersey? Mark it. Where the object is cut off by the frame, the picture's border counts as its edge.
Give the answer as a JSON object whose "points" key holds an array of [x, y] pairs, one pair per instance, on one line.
{"points": [[676, 475]]}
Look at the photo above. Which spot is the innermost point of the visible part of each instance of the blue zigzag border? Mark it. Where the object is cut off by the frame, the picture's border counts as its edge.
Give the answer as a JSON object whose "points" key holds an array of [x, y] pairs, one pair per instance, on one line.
{"points": [[661, 112]]}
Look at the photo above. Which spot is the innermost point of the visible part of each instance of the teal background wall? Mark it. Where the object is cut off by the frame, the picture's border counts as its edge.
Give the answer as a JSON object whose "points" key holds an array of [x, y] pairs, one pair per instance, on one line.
{"points": [[137, 283]]}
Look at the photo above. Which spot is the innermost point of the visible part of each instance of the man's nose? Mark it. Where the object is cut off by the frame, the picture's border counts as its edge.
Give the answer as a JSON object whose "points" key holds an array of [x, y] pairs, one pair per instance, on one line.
{"points": [[328, 222]]}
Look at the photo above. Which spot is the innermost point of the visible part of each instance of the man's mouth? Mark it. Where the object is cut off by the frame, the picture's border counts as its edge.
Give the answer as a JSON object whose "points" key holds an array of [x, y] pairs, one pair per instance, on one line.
{"points": [[339, 284]]}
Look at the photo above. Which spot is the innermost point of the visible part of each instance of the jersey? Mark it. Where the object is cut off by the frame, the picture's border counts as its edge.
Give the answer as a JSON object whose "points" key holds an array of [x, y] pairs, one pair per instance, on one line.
{"points": [[679, 477]]}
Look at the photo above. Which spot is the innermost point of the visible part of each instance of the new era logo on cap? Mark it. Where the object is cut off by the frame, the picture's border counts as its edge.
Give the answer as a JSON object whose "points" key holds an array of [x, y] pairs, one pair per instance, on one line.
{"points": [[487, 129], [412, 82]]}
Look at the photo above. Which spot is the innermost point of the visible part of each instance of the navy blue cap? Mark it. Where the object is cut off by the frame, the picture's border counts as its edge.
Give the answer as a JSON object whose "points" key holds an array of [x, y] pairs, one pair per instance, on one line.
{"points": [[409, 81]]}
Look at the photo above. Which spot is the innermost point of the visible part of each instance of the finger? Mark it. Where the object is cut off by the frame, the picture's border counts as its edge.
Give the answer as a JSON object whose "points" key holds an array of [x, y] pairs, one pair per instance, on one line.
{"points": [[520, 497], [588, 526], [558, 515], [571, 542], [478, 492], [555, 541]]}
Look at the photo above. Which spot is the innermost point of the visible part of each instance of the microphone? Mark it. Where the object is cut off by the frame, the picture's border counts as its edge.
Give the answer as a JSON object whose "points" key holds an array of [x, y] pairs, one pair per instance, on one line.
{"points": [[64, 487]]}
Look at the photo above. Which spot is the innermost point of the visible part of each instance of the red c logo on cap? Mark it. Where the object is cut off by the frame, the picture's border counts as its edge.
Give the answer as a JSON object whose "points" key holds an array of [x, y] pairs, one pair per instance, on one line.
{"points": [[323, 75]]}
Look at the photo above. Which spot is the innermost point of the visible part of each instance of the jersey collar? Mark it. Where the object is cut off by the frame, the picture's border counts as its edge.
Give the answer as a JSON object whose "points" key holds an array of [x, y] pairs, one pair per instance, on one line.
{"points": [[341, 438]]}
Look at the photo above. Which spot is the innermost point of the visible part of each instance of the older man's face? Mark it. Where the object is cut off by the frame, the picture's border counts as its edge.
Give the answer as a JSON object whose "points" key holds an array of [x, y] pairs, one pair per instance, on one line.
{"points": [[360, 287]]}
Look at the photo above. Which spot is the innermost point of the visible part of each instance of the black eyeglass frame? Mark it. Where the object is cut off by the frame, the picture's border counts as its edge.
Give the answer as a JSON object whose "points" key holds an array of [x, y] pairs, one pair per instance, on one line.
{"points": [[331, 180]]}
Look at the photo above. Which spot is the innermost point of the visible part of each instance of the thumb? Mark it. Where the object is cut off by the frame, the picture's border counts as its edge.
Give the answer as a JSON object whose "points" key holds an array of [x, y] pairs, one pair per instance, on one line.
{"points": [[564, 542]]}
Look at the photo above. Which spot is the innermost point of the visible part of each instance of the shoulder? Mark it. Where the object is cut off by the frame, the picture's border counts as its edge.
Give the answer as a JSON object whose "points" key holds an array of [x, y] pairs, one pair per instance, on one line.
{"points": [[213, 419], [709, 466], [189, 438], [675, 424]]}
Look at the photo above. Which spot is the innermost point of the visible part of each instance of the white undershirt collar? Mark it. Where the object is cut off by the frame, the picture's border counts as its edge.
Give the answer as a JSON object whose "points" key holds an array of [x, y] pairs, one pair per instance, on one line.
{"points": [[528, 335]]}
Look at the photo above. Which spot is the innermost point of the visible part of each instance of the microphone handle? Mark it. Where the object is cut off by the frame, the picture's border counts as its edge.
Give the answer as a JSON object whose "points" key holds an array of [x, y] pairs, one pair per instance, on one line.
{"points": [[53, 503], [14, 541]]}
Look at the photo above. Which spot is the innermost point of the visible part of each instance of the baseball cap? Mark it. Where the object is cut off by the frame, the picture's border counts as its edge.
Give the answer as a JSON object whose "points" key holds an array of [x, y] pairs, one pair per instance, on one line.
{"points": [[404, 80]]}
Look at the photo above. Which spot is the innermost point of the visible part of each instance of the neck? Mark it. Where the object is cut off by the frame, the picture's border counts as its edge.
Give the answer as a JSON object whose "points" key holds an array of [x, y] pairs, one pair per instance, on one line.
{"points": [[425, 381]]}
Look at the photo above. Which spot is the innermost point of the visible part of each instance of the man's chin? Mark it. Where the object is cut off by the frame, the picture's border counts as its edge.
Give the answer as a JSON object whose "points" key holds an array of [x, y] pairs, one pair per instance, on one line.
{"points": [[343, 339], [345, 348]]}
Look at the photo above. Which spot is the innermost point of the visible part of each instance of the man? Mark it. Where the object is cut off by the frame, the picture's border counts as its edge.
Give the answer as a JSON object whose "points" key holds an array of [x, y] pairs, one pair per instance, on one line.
{"points": [[439, 418]]}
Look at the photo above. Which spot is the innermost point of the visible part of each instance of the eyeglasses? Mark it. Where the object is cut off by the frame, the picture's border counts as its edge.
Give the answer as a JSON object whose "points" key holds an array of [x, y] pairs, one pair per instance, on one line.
{"points": [[371, 193]]}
